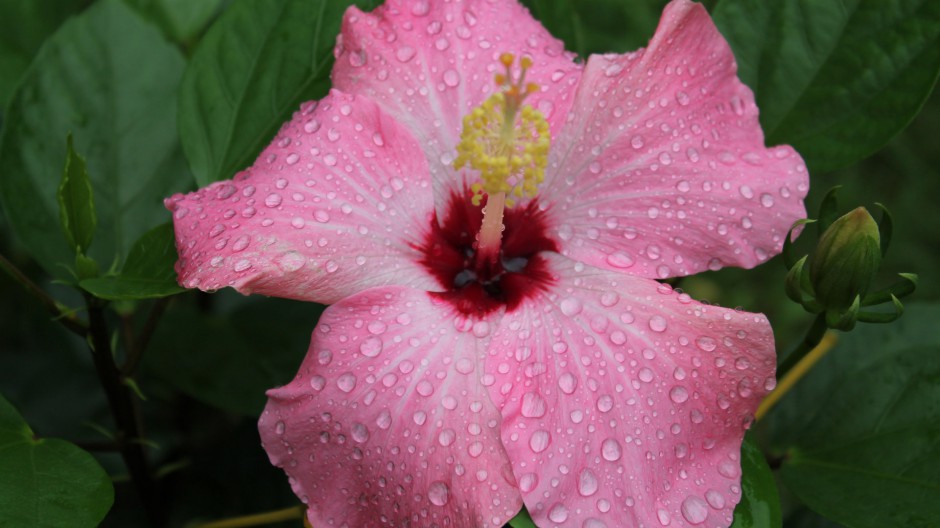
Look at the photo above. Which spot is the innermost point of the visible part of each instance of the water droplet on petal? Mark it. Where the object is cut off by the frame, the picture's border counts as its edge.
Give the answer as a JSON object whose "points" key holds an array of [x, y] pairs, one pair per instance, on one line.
{"points": [[657, 323], [273, 200], [679, 394], [610, 450], [715, 499], [451, 78], [346, 382], [571, 306], [706, 343], [360, 433], [446, 437], [438, 493], [619, 259], [558, 513], [694, 510], [533, 405], [539, 441], [567, 382], [424, 388], [371, 346], [405, 53], [528, 482], [587, 483]]}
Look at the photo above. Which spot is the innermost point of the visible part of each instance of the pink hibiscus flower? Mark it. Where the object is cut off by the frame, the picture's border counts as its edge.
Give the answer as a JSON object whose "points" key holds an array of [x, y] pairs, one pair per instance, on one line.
{"points": [[452, 381]]}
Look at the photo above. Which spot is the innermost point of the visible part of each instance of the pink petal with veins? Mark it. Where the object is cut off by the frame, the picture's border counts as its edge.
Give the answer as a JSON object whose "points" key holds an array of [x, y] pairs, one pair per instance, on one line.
{"points": [[333, 206], [388, 421], [661, 170], [428, 63], [625, 402]]}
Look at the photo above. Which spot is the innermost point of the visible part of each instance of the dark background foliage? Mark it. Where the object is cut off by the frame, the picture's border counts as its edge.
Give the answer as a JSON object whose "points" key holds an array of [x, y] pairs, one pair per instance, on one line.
{"points": [[842, 81]]}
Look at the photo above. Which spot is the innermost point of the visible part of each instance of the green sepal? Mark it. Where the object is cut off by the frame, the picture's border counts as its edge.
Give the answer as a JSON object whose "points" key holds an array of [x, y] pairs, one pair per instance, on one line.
{"points": [[899, 290], [885, 228], [794, 280], [788, 257], [828, 210], [844, 320], [76, 201], [883, 317]]}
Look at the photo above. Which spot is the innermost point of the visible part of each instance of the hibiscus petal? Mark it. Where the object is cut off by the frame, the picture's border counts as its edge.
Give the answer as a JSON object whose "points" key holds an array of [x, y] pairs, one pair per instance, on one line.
{"points": [[624, 402], [336, 204], [428, 63], [388, 423], [662, 169]]}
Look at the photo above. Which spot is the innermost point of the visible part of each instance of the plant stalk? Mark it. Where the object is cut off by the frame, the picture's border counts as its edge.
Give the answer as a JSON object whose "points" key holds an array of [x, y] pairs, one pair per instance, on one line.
{"points": [[124, 410], [67, 320]]}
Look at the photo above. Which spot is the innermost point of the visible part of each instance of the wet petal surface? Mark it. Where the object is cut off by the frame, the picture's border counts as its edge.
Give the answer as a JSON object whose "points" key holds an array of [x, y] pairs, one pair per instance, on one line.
{"points": [[428, 63], [661, 170], [333, 206], [389, 422], [624, 402]]}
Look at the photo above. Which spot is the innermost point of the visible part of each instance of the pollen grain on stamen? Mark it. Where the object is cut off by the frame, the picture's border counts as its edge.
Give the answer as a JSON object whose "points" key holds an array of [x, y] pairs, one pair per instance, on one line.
{"points": [[505, 141]]}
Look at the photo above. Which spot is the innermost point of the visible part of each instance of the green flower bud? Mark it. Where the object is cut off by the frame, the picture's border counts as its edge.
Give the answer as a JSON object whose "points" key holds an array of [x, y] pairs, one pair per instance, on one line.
{"points": [[845, 260]]}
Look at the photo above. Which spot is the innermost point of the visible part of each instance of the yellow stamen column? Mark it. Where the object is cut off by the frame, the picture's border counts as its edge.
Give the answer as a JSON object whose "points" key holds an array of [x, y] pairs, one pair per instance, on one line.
{"points": [[507, 143]]}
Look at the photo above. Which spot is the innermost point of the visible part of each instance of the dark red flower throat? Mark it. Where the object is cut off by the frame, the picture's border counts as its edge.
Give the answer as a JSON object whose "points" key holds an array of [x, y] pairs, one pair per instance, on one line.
{"points": [[473, 285]]}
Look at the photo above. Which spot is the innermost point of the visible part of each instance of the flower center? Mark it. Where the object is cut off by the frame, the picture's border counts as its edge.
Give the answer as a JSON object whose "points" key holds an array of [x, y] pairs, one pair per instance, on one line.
{"points": [[507, 144], [477, 286]]}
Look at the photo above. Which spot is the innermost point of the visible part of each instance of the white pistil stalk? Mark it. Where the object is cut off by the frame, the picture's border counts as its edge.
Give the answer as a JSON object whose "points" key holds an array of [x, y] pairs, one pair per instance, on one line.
{"points": [[491, 230]]}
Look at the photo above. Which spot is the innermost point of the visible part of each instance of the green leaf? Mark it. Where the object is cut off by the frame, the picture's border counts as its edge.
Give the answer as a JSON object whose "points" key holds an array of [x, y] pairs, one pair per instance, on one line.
{"points": [[861, 430], [522, 520], [181, 20], [760, 501], [836, 80], [24, 25], [228, 360], [598, 26], [48, 482], [148, 272], [252, 70], [110, 78], [76, 202]]}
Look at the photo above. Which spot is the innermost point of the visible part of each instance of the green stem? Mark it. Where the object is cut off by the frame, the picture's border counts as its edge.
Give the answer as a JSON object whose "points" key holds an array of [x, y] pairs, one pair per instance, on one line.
{"points": [[813, 337], [124, 410], [137, 346], [68, 320]]}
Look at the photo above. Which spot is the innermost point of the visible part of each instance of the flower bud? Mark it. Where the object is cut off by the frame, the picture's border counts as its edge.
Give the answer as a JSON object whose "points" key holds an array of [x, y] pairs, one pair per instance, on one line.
{"points": [[845, 260]]}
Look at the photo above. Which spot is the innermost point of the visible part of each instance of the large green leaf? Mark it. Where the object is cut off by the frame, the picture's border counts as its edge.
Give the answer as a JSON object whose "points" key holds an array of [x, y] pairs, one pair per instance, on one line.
{"points": [[181, 20], [862, 430], [760, 501], [110, 79], [251, 71], [45, 481], [24, 25], [598, 26], [148, 272], [836, 80], [230, 359]]}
